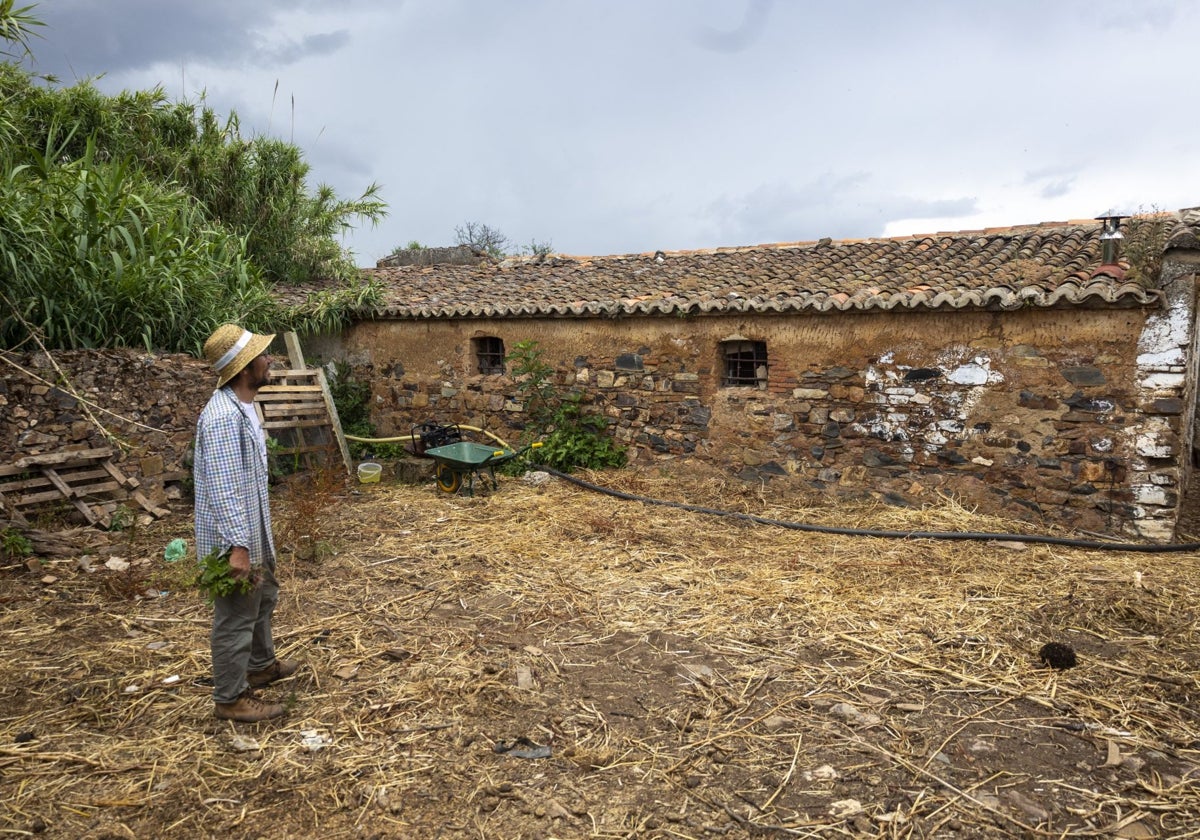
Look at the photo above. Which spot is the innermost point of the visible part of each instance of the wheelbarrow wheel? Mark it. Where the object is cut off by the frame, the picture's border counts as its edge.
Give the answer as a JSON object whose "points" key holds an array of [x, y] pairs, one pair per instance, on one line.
{"points": [[448, 480]]}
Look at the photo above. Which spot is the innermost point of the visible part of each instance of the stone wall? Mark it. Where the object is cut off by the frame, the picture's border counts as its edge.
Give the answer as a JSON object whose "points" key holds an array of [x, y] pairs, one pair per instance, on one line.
{"points": [[453, 255], [1079, 417], [1070, 416], [148, 403]]}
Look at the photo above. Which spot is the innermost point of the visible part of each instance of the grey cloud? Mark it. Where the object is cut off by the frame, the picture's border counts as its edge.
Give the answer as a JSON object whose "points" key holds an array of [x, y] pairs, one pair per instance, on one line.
{"points": [[1052, 181], [1056, 189], [322, 44], [839, 207], [1154, 17], [1050, 173], [134, 34], [622, 126], [739, 38]]}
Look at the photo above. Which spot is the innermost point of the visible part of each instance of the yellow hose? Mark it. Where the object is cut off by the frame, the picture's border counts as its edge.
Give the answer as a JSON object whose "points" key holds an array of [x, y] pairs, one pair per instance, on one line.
{"points": [[412, 437]]}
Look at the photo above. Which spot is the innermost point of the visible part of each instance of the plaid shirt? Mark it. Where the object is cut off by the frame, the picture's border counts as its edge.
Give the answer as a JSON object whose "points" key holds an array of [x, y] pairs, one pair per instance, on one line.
{"points": [[230, 473]]}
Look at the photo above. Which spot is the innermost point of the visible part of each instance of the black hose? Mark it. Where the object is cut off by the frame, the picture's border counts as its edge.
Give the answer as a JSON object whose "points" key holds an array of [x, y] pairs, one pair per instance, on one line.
{"points": [[1145, 548]]}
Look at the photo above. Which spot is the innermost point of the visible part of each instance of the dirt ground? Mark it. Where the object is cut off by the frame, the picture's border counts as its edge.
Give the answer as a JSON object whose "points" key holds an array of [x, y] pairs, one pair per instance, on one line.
{"points": [[543, 661]]}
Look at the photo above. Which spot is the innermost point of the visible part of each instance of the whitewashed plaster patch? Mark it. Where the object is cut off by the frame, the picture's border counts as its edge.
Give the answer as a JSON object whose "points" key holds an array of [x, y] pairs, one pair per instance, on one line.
{"points": [[1164, 331], [882, 426], [1149, 494], [1159, 530], [1153, 439], [1149, 446], [1162, 358], [960, 365], [968, 375], [1163, 381]]}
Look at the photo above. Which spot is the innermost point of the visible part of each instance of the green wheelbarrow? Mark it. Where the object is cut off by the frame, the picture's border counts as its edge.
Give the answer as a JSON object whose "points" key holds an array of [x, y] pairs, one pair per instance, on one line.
{"points": [[467, 459]]}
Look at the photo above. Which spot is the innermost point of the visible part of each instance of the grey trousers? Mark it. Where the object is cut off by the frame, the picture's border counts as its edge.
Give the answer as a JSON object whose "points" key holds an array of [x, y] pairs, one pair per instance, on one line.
{"points": [[241, 636]]}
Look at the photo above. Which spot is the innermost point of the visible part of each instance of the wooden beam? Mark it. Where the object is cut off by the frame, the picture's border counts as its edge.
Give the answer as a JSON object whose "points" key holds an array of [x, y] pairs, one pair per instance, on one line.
{"points": [[337, 422], [40, 482], [295, 354], [56, 458], [71, 494], [111, 468], [278, 391]]}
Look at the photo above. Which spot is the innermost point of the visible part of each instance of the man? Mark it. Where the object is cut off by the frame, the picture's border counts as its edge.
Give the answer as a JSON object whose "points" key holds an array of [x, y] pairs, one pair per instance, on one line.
{"points": [[233, 516]]}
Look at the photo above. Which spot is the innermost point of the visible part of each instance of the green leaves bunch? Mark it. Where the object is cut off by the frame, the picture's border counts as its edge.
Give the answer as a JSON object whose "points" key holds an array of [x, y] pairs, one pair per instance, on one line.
{"points": [[16, 25], [215, 578]]}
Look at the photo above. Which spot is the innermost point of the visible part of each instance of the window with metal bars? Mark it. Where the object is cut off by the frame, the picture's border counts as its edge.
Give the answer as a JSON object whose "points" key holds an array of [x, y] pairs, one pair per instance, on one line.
{"points": [[745, 364], [489, 354]]}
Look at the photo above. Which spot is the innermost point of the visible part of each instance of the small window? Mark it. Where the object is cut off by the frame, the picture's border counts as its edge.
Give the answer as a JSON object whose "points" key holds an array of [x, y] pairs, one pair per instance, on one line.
{"points": [[745, 364], [489, 354]]}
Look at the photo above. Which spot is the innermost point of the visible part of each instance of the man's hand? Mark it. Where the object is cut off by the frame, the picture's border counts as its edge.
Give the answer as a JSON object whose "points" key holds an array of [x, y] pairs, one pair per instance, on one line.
{"points": [[239, 562]]}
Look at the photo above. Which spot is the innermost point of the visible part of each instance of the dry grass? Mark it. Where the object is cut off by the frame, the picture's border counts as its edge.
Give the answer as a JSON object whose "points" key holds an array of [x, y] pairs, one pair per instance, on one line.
{"points": [[693, 677]]}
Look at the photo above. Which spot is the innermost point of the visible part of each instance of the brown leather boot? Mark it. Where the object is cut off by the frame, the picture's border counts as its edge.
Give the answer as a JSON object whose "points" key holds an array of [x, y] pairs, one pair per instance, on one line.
{"points": [[248, 709], [280, 669]]}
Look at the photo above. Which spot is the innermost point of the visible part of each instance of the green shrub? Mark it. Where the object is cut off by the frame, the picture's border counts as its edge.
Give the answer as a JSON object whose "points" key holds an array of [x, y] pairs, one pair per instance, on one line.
{"points": [[572, 436], [353, 401], [14, 544]]}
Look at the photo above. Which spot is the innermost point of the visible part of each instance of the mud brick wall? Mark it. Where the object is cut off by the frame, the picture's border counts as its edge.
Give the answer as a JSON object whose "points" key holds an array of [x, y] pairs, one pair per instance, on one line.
{"points": [[162, 393], [1071, 417]]}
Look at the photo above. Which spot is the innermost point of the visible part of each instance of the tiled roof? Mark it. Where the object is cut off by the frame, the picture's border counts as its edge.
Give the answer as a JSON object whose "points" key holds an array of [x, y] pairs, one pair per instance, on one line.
{"points": [[1044, 265], [1186, 233]]}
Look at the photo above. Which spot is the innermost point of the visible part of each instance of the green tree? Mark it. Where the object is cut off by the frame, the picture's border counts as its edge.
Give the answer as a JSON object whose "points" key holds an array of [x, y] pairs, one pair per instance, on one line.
{"points": [[132, 220], [97, 254], [257, 187]]}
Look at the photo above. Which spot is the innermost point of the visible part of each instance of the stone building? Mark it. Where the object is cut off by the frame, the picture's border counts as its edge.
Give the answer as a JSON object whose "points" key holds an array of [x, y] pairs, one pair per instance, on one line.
{"points": [[1035, 371]]}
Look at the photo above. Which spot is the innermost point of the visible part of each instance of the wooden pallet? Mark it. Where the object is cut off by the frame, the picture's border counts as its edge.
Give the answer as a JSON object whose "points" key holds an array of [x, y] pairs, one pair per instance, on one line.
{"points": [[297, 410], [87, 479]]}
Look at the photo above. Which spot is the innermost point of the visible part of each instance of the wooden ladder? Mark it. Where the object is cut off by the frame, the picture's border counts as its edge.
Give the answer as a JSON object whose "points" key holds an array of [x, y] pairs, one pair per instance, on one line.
{"points": [[297, 410]]}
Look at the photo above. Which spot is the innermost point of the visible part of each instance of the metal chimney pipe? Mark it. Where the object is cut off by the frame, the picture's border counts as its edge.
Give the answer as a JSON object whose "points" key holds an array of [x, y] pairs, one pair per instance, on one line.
{"points": [[1110, 237]]}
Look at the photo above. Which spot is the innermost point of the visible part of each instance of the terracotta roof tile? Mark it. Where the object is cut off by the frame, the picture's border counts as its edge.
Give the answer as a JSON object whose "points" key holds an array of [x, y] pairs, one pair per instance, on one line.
{"points": [[1043, 265]]}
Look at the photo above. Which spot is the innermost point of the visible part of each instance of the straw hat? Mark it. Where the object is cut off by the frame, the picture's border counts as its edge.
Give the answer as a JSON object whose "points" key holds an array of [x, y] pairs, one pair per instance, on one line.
{"points": [[230, 348]]}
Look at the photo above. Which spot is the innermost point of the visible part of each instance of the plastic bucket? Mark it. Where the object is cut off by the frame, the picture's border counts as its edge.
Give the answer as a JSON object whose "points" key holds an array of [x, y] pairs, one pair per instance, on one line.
{"points": [[369, 472]]}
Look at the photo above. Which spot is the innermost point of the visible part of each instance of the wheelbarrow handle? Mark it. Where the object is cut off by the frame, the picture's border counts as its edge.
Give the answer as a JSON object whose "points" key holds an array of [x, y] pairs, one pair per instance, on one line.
{"points": [[501, 452]]}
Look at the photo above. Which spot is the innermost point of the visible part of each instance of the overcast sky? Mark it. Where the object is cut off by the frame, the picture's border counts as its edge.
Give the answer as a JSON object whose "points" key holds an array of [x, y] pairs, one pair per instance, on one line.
{"points": [[619, 126]]}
